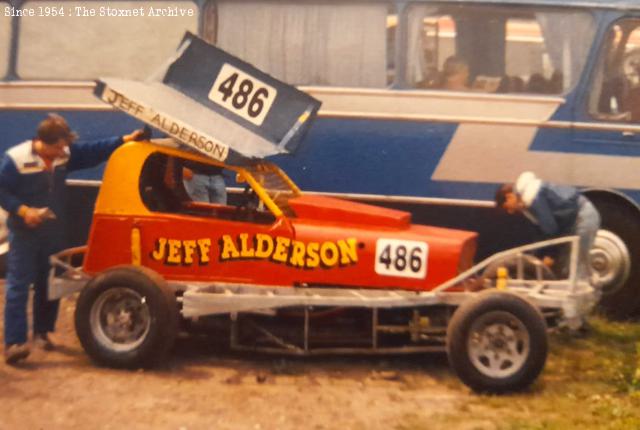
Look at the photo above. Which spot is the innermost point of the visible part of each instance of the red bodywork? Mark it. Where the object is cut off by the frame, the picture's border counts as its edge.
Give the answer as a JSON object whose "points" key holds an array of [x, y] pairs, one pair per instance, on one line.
{"points": [[318, 220]]}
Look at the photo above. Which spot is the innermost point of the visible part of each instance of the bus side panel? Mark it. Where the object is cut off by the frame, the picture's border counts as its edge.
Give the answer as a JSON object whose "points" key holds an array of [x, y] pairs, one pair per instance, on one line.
{"points": [[370, 157], [20, 125]]}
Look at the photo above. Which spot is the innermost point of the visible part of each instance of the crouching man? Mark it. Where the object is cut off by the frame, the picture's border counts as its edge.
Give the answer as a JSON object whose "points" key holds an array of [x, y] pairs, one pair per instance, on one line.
{"points": [[557, 210]]}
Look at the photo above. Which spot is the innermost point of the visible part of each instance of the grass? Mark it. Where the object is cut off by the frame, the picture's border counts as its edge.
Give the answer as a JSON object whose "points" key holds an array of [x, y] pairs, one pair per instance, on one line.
{"points": [[590, 381]]}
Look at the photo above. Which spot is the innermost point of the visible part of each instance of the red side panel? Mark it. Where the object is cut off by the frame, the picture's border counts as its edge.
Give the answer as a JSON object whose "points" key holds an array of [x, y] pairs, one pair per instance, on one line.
{"points": [[186, 248], [327, 209], [109, 243]]}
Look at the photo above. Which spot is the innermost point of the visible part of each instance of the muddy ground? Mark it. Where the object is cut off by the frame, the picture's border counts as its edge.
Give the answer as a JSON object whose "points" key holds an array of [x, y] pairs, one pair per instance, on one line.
{"points": [[205, 386]]}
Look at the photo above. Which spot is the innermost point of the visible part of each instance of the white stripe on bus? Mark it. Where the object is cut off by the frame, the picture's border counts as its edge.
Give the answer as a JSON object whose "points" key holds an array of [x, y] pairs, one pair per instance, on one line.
{"points": [[476, 154]]}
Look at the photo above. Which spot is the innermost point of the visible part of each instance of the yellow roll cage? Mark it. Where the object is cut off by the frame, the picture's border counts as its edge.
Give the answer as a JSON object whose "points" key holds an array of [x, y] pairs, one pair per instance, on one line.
{"points": [[120, 194]]}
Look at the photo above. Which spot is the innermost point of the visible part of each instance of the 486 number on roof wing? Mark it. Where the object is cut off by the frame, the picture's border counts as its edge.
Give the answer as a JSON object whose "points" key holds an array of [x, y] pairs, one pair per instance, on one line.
{"points": [[242, 94]]}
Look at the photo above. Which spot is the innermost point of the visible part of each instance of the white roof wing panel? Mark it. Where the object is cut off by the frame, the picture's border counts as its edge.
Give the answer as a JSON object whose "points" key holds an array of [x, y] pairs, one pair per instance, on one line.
{"points": [[216, 104]]}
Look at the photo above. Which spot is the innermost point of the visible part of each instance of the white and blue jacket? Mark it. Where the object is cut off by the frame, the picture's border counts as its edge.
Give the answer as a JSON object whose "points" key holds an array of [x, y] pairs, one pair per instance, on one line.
{"points": [[25, 180], [553, 208]]}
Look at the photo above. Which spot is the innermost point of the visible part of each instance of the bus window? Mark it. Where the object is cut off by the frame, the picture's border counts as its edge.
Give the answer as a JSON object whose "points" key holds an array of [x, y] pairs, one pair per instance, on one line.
{"points": [[616, 87], [5, 38], [76, 47], [305, 43], [497, 49], [527, 64], [431, 42]]}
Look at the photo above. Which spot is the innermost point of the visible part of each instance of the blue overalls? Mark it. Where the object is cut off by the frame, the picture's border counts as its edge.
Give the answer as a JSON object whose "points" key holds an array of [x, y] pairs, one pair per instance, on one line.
{"points": [[25, 180], [560, 210]]}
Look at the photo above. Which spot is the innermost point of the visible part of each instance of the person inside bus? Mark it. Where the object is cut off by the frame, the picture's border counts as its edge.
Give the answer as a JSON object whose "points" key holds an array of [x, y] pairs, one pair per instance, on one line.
{"points": [[557, 210], [510, 85], [504, 87], [516, 84], [455, 75], [556, 82], [537, 84], [34, 193]]}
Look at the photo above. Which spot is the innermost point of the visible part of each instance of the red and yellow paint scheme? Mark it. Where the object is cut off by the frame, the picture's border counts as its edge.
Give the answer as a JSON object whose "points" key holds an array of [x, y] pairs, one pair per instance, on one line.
{"points": [[287, 238]]}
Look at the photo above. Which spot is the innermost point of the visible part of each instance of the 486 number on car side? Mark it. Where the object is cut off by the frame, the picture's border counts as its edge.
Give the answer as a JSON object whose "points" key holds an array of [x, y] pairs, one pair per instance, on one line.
{"points": [[405, 258], [242, 94]]}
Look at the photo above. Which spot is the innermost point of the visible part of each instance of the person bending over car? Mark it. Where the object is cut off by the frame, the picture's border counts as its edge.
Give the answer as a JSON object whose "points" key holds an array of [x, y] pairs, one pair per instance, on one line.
{"points": [[33, 192], [557, 210]]}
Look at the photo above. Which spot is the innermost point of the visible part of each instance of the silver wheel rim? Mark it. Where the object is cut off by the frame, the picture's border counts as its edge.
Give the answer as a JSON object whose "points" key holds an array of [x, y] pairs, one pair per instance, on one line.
{"points": [[610, 262], [120, 319], [498, 344]]}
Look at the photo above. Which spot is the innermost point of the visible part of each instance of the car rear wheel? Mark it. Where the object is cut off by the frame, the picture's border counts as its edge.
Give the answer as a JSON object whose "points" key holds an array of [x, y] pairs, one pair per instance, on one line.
{"points": [[127, 317], [497, 342]]}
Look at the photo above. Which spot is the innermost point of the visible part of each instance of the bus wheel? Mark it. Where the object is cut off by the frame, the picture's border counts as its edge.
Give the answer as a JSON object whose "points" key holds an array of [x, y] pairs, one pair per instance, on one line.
{"points": [[497, 342], [615, 259], [610, 262], [126, 317]]}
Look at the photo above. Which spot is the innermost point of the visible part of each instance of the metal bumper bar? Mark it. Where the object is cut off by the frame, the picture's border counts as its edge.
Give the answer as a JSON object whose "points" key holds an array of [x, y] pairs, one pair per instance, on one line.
{"points": [[65, 278]]}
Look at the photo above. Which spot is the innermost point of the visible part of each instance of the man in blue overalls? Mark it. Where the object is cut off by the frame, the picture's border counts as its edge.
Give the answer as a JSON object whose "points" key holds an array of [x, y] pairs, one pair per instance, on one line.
{"points": [[557, 210], [33, 192]]}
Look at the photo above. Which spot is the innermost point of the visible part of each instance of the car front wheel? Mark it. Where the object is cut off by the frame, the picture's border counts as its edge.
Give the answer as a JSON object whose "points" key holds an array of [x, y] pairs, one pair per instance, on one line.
{"points": [[497, 342], [126, 317]]}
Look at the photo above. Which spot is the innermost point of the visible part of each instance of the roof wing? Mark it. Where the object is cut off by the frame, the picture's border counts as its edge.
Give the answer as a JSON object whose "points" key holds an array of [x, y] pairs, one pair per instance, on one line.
{"points": [[217, 104]]}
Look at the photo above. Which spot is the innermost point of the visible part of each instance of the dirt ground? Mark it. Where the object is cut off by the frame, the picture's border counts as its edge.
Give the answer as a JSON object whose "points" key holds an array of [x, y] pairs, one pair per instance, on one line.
{"points": [[202, 386]]}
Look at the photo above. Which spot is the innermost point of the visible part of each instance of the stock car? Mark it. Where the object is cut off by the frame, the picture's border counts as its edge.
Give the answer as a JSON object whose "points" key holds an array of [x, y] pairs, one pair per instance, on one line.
{"points": [[289, 273], [281, 270]]}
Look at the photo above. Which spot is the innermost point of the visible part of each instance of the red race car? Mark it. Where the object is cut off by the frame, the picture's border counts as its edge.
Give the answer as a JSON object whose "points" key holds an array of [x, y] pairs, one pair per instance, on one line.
{"points": [[281, 270], [297, 274]]}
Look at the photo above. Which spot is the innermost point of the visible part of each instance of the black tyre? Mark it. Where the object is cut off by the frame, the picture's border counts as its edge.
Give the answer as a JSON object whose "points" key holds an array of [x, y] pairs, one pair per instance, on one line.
{"points": [[615, 258], [497, 342], [127, 317]]}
